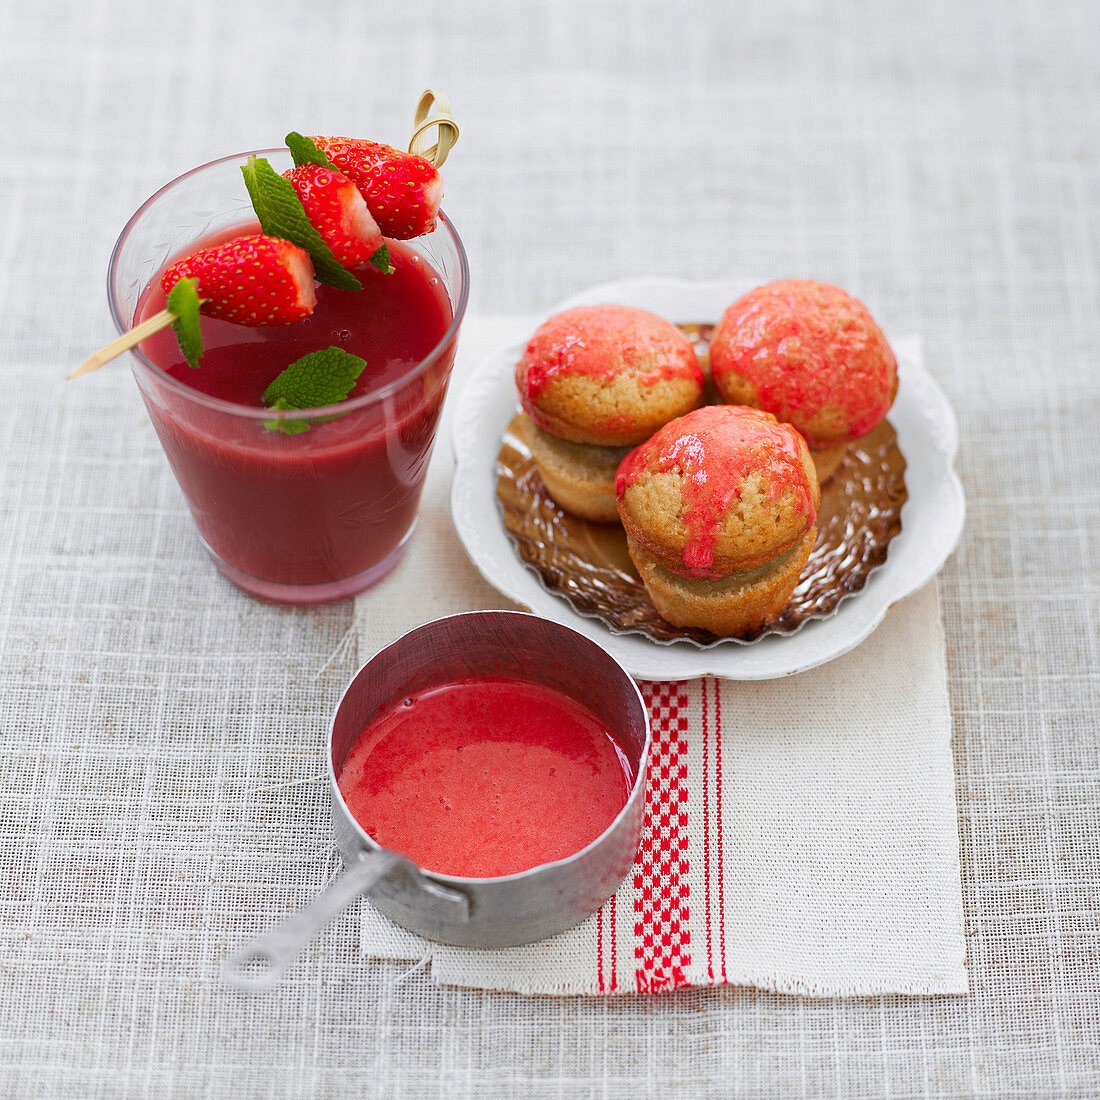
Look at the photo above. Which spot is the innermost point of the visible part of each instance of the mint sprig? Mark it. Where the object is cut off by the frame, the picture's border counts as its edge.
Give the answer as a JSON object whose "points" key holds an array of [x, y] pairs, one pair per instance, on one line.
{"points": [[287, 427], [324, 377], [183, 301], [282, 215], [304, 151]]}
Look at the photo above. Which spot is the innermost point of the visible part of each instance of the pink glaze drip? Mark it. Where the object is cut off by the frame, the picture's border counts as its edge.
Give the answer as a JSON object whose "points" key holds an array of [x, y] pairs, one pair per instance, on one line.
{"points": [[806, 346], [714, 449], [601, 342]]}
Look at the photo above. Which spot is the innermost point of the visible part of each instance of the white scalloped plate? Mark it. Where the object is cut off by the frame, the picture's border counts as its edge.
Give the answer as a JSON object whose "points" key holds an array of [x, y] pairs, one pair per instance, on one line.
{"points": [[931, 518]]}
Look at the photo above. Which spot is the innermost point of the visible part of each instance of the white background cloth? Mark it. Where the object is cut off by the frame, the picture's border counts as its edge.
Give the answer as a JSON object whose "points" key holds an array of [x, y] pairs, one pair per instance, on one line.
{"points": [[162, 734]]}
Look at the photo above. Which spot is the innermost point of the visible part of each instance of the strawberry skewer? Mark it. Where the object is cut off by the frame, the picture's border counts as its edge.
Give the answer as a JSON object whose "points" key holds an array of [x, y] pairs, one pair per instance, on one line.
{"points": [[403, 191], [337, 210], [125, 342], [251, 281], [347, 224]]}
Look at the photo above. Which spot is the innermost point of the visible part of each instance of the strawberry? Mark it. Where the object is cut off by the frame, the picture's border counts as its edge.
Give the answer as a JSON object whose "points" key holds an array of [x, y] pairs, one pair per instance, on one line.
{"points": [[402, 190], [250, 280], [338, 212]]}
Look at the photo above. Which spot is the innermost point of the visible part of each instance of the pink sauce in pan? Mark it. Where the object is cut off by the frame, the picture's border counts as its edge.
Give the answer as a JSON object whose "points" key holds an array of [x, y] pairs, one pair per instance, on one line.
{"points": [[485, 776]]}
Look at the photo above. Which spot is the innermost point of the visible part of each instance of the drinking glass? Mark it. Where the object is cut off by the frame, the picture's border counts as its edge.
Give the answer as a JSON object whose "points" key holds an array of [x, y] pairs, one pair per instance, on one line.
{"points": [[306, 518]]}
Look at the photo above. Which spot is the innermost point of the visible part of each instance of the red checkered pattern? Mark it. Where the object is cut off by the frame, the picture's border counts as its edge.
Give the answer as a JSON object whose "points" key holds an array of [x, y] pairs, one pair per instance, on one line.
{"points": [[662, 950]]}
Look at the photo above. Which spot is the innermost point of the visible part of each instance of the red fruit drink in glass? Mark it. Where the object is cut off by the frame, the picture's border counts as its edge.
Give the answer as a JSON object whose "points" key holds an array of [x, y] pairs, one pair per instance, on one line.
{"points": [[333, 502], [294, 518]]}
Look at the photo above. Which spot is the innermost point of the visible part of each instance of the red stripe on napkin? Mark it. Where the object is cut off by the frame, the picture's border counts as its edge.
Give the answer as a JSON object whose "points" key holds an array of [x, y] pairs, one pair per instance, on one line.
{"points": [[614, 952], [599, 951], [706, 831], [718, 824], [607, 976], [662, 949]]}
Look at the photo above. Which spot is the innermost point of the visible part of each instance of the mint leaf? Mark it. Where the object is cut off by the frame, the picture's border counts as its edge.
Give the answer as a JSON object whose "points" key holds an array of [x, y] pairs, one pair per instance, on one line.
{"points": [[184, 302], [381, 260], [282, 215], [305, 151], [321, 378], [287, 427]]}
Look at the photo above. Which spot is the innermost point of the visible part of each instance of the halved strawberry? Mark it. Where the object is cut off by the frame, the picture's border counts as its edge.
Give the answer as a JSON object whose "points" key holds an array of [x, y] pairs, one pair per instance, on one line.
{"points": [[402, 190], [250, 280], [338, 211]]}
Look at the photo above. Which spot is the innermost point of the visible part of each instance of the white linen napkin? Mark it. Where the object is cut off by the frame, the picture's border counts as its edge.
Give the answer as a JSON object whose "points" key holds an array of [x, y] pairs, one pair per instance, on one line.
{"points": [[800, 833]]}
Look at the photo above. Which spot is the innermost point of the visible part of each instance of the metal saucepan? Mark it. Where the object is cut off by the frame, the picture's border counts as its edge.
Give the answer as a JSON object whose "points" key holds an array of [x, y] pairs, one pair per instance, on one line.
{"points": [[470, 912]]}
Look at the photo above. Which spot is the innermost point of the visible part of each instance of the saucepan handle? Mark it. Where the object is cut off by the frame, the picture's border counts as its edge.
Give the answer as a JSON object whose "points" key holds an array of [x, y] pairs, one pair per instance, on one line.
{"points": [[259, 965]]}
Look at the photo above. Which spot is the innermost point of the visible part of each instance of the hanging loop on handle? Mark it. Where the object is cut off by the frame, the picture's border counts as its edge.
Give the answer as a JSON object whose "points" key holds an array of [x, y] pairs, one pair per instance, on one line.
{"points": [[434, 109], [259, 964]]}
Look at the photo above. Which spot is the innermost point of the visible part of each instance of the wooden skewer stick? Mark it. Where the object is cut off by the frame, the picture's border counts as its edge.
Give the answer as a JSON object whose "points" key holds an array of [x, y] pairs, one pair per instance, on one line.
{"points": [[424, 119], [125, 342]]}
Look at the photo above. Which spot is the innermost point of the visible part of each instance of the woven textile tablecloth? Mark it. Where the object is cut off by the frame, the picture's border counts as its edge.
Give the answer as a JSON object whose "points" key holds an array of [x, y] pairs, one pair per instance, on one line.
{"points": [[162, 735]]}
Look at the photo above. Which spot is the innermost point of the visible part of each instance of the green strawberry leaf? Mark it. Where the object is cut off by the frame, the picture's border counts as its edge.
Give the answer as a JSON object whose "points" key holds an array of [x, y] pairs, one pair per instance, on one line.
{"points": [[324, 377], [282, 215], [381, 260], [184, 302], [305, 151]]}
